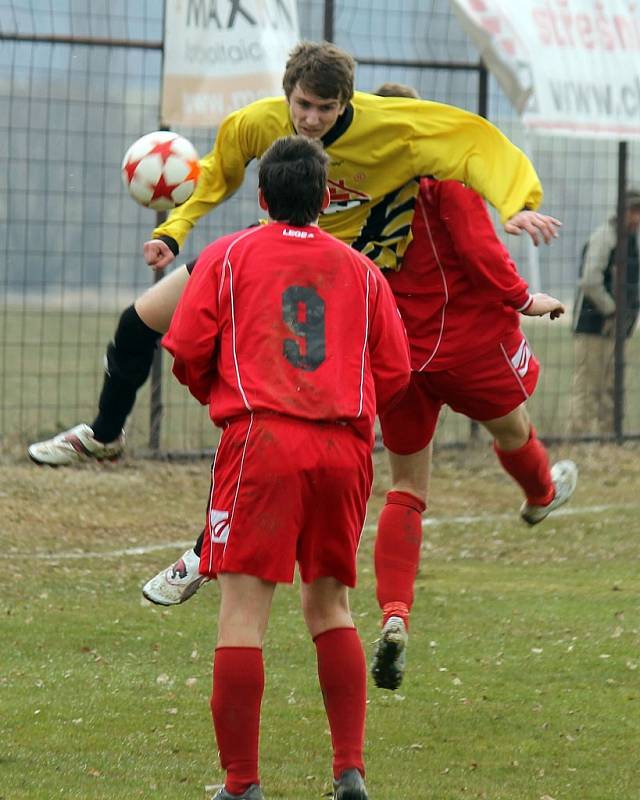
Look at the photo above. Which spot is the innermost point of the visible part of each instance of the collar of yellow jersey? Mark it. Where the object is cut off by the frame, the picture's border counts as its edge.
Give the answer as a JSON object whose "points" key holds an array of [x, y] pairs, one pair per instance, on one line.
{"points": [[341, 126]]}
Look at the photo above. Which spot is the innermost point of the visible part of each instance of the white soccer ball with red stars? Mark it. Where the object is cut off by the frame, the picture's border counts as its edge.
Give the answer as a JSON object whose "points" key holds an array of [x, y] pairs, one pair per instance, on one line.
{"points": [[161, 170]]}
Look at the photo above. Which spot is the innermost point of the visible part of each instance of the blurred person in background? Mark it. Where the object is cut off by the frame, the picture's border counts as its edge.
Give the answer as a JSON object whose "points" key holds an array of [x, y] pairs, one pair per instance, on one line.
{"points": [[594, 322]]}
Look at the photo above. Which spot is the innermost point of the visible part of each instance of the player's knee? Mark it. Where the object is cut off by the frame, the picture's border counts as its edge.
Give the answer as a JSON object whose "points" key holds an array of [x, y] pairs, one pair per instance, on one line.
{"points": [[325, 610], [130, 355]]}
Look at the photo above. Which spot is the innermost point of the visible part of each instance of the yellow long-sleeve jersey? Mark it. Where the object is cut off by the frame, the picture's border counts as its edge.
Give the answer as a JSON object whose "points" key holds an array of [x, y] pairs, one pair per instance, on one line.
{"points": [[376, 149]]}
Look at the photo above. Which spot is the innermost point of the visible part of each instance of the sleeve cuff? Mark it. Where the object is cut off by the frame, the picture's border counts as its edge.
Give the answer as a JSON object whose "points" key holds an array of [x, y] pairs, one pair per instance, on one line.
{"points": [[526, 305], [171, 244]]}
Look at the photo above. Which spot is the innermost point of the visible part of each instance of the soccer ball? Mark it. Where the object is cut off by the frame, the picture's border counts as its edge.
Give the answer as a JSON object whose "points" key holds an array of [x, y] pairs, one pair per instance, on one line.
{"points": [[161, 170]]}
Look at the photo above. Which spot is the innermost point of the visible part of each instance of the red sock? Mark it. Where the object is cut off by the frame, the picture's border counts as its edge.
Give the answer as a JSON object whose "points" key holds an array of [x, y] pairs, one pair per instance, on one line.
{"points": [[397, 553], [342, 672], [238, 684], [529, 467]]}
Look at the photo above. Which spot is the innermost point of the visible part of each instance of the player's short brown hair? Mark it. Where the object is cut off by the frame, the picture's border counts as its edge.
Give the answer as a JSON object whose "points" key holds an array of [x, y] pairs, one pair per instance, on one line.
{"points": [[397, 90], [322, 69], [293, 179]]}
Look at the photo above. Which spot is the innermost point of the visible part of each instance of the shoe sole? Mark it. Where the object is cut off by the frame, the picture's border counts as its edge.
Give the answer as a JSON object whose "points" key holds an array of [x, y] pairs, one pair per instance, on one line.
{"points": [[77, 461], [385, 672], [189, 592]]}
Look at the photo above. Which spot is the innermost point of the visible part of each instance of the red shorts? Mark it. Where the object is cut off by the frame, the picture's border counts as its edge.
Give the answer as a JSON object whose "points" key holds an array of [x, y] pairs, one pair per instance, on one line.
{"points": [[286, 490], [488, 387]]}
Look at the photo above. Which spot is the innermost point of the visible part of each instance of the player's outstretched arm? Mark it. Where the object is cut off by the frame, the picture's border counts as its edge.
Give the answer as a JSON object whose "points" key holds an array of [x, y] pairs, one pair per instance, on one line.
{"points": [[157, 254], [538, 226], [542, 304]]}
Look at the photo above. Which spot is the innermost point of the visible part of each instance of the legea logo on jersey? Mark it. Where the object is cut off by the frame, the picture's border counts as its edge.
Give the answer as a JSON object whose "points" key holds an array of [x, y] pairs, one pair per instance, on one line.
{"points": [[520, 359], [297, 234], [343, 197], [219, 524]]}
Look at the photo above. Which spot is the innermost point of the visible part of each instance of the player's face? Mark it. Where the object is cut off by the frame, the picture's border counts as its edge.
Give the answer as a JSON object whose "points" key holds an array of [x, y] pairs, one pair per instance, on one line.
{"points": [[311, 115]]}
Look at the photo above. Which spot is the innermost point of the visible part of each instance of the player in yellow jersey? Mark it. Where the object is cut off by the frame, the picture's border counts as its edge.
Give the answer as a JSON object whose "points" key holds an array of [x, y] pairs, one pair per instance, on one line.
{"points": [[376, 147]]}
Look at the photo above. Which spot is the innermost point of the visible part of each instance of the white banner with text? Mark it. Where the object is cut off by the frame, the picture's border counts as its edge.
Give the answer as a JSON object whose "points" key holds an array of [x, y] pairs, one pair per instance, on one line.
{"points": [[569, 66], [220, 55]]}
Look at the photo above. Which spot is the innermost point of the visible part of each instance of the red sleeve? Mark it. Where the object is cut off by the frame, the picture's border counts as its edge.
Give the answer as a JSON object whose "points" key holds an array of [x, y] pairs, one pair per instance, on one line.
{"points": [[388, 347], [192, 335], [486, 260]]}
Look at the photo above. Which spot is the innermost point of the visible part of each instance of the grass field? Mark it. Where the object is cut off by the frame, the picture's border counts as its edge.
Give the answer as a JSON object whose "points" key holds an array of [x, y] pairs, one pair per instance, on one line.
{"points": [[523, 678]]}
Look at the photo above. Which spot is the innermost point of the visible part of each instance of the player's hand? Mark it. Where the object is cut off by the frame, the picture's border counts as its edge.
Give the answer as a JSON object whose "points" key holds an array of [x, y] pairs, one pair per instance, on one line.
{"points": [[538, 226], [157, 254], [544, 304]]}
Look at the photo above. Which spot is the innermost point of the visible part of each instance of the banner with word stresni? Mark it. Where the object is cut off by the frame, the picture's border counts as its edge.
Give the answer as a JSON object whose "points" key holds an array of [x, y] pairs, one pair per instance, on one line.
{"points": [[220, 55], [569, 66]]}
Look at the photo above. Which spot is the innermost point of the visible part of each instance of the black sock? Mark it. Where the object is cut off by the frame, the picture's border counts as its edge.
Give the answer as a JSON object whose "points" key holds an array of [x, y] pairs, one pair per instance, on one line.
{"points": [[197, 547], [129, 359]]}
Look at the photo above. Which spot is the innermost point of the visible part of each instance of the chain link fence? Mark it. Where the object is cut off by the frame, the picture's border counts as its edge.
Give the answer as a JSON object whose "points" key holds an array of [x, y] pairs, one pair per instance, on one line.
{"points": [[80, 81]]}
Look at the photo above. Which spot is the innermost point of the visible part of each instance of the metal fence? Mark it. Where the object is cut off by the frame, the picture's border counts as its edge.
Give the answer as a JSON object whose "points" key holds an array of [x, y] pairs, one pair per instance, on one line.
{"points": [[79, 81]]}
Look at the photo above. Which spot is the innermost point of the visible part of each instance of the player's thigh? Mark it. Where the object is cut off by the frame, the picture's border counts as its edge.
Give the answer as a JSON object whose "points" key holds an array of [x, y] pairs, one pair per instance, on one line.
{"points": [[494, 384], [156, 306], [408, 426], [245, 604], [325, 605], [411, 473], [512, 430]]}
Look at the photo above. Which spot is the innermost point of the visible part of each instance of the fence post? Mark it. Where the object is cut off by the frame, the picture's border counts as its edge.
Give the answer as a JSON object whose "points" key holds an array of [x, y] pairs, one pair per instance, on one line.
{"points": [[329, 18], [483, 110], [155, 399], [620, 294]]}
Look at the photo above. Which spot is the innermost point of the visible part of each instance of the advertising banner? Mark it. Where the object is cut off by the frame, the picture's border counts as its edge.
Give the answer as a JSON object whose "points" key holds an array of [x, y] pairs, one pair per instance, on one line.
{"points": [[569, 66], [220, 55]]}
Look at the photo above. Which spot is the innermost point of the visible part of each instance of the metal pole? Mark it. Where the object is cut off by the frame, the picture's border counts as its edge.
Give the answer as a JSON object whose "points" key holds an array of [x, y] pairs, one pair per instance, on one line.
{"points": [[329, 19], [483, 111], [155, 399], [483, 90], [620, 294]]}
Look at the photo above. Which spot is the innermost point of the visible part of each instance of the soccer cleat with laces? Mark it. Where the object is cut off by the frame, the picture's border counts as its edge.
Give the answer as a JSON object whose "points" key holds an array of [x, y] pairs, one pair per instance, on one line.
{"points": [[388, 663], [76, 444], [254, 792], [350, 786], [178, 583], [564, 475]]}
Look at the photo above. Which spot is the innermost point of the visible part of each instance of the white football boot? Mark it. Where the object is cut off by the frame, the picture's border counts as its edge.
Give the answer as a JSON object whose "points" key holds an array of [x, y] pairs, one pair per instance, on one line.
{"points": [[74, 445], [564, 475], [177, 583]]}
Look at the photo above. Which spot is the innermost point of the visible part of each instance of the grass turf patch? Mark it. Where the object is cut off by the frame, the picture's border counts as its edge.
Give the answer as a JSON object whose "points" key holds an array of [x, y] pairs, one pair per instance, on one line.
{"points": [[523, 667]]}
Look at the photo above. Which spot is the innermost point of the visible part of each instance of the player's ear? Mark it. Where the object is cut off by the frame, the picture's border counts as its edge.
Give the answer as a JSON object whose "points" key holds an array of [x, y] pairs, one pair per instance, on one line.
{"points": [[326, 199], [262, 201]]}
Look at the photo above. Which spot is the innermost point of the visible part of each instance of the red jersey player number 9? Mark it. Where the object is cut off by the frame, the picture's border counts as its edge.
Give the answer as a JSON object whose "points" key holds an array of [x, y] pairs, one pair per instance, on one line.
{"points": [[303, 311]]}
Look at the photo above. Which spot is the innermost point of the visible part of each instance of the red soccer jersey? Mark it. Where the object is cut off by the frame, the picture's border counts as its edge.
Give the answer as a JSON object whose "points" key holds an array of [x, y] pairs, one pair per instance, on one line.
{"points": [[289, 320], [458, 290]]}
